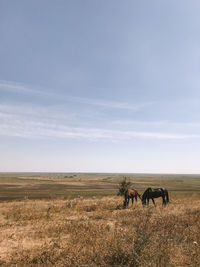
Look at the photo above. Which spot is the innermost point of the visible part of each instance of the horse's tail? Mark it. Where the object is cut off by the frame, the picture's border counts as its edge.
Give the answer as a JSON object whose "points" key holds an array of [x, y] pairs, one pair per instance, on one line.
{"points": [[167, 195]]}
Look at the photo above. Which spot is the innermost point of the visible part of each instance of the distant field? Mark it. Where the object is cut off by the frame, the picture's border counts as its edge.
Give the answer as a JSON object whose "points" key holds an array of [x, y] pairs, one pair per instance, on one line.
{"points": [[52, 185]]}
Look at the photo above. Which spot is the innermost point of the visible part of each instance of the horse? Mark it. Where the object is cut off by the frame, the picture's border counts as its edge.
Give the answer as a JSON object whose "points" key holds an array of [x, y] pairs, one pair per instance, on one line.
{"points": [[130, 193], [155, 193]]}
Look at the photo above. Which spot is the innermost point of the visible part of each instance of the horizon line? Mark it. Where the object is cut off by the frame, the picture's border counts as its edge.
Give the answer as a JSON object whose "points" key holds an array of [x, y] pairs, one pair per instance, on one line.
{"points": [[91, 172]]}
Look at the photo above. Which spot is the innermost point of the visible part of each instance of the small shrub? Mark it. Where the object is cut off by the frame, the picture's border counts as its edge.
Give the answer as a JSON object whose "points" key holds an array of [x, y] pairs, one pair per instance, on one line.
{"points": [[123, 186]]}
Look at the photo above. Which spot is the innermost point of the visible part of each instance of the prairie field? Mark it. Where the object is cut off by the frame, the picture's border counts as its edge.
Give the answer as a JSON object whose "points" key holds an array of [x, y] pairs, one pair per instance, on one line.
{"points": [[78, 220]]}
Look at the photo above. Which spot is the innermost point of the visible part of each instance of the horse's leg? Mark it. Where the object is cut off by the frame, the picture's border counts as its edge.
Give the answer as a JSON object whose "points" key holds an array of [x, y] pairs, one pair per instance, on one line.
{"points": [[128, 201], [125, 201], [132, 199], [153, 201], [135, 199], [148, 201], [164, 202]]}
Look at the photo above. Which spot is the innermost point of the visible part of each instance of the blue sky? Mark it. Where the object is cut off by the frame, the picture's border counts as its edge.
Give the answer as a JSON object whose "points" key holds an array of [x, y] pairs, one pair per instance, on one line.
{"points": [[100, 86]]}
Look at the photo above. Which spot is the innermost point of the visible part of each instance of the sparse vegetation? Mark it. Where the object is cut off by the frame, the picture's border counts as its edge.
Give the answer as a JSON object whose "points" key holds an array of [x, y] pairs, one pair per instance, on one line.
{"points": [[92, 231], [123, 186]]}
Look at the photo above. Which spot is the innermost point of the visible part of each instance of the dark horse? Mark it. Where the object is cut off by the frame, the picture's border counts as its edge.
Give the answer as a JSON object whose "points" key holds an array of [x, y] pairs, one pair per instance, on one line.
{"points": [[154, 193], [130, 193]]}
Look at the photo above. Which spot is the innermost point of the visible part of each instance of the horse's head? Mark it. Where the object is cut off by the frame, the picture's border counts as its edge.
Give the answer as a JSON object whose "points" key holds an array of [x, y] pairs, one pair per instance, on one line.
{"points": [[143, 201], [145, 196]]}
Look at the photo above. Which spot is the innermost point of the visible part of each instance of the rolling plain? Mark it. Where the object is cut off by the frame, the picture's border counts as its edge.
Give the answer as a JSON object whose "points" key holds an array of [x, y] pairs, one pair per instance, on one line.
{"points": [[77, 219]]}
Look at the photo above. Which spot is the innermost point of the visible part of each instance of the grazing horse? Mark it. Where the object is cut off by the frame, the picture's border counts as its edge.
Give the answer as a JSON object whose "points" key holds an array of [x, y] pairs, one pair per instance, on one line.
{"points": [[154, 193], [130, 193]]}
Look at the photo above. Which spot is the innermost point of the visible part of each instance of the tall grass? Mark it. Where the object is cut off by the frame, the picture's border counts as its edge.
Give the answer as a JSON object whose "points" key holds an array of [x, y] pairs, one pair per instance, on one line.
{"points": [[95, 232]]}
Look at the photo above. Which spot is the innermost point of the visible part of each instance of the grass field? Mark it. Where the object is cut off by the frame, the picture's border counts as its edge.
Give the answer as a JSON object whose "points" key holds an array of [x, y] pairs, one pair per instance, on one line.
{"points": [[50, 185], [77, 220]]}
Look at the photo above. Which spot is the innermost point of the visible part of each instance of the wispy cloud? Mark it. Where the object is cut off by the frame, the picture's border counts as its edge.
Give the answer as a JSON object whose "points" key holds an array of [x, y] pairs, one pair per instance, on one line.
{"points": [[22, 126], [18, 88], [35, 130], [109, 104], [154, 123], [26, 89], [33, 121]]}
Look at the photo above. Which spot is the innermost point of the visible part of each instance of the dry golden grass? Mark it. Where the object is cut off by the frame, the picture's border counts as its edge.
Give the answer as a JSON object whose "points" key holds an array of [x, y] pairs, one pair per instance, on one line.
{"points": [[94, 232]]}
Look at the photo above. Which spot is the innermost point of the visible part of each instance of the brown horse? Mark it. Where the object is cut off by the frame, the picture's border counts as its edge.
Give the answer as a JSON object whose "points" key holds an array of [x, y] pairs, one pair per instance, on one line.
{"points": [[130, 193]]}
